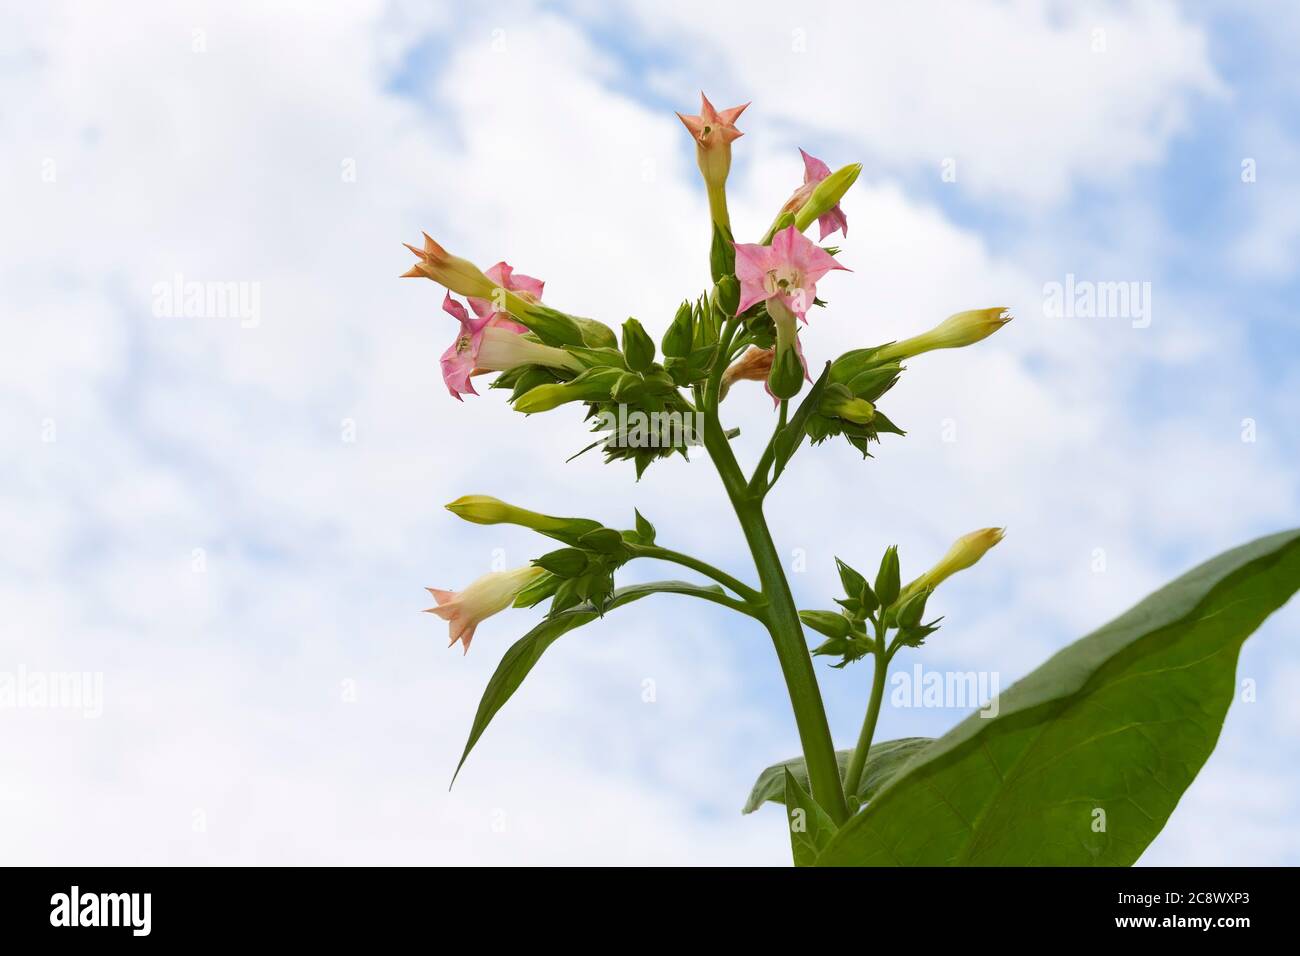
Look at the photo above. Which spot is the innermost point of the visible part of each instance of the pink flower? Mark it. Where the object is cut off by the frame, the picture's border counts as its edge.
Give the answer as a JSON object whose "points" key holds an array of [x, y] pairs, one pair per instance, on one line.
{"points": [[713, 129], [460, 359], [493, 342], [786, 271], [493, 592], [814, 171]]}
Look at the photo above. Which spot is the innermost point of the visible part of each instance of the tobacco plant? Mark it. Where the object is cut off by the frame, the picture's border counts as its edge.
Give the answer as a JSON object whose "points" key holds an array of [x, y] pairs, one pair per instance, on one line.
{"points": [[1086, 757]]}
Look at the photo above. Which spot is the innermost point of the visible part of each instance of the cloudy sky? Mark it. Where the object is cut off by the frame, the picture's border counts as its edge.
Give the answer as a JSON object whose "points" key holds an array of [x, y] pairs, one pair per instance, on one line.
{"points": [[231, 518]]}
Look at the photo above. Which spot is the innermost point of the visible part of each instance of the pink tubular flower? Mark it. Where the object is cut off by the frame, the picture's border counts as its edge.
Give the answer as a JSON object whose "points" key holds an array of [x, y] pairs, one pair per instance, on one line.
{"points": [[492, 343], [493, 592], [786, 271], [814, 171]]}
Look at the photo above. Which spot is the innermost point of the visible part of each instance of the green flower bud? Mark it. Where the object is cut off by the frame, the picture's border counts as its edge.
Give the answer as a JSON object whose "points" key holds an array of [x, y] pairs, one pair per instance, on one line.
{"points": [[677, 341], [593, 385], [956, 331], [827, 195], [726, 295], [484, 509], [787, 375], [839, 402], [965, 551], [638, 347], [887, 578]]}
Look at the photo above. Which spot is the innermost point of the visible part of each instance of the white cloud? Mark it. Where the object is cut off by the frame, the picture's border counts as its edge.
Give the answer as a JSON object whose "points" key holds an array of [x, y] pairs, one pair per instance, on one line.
{"points": [[1029, 98]]}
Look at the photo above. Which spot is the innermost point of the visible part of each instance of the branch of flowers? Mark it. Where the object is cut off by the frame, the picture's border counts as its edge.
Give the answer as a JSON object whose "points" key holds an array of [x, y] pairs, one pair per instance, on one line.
{"points": [[747, 594]]}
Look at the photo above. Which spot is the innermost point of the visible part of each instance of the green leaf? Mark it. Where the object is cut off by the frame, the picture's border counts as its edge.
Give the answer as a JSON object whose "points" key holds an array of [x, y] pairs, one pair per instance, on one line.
{"points": [[1118, 723], [883, 761], [811, 827], [564, 563], [525, 652]]}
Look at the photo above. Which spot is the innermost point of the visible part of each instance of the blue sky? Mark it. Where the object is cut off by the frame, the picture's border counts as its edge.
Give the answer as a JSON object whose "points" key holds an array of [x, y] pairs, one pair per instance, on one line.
{"points": [[233, 521]]}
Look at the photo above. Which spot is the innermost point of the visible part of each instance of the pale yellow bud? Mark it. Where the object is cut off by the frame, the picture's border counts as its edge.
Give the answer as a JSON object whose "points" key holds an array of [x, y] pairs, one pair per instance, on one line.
{"points": [[964, 328]]}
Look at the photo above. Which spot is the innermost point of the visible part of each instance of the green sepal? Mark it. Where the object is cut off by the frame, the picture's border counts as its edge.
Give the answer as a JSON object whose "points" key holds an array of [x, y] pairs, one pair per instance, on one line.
{"points": [[564, 563]]}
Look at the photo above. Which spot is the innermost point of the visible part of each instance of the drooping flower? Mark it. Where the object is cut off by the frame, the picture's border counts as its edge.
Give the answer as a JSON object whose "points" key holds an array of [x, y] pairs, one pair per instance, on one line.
{"points": [[493, 592], [753, 366], [785, 272], [492, 343], [814, 171]]}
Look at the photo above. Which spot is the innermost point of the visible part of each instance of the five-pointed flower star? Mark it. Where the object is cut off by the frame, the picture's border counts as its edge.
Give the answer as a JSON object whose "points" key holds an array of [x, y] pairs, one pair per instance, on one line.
{"points": [[785, 272], [713, 128]]}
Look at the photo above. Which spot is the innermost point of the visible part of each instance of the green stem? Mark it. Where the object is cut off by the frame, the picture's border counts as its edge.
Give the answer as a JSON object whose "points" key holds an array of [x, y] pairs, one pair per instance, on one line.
{"points": [[695, 564], [758, 484], [782, 620], [853, 776]]}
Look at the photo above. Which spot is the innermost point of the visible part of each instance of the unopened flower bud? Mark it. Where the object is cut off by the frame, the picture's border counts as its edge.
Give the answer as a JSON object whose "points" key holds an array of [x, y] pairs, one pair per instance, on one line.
{"points": [[484, 509], [964, 328], [839, 402], [826, 197], [787, 375], [678, 339], [593, 385], [965, 551], [638, 347]]}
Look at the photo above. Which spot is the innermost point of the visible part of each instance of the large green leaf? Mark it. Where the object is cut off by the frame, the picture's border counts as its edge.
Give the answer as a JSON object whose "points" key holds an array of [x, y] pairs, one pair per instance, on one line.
{"points": [[526, 651], [1091, 752], [883, 762]]}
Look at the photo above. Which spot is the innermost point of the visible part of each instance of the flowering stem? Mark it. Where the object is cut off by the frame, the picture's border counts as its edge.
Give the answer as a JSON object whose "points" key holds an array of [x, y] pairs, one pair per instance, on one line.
{"points": [[853, 775], [758, 484], [718, 204], [782, 620], [695, 564]]}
